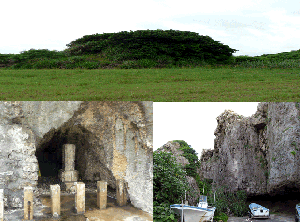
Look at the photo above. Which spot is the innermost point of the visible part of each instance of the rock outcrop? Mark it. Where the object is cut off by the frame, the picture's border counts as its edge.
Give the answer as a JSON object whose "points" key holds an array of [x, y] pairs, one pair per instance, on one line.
{"points": [[113, 141], [173, 147], [259, 154]]}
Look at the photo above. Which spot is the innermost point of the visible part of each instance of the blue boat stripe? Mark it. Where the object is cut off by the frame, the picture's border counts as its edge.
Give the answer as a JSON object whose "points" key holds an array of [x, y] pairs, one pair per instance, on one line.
{"points": [[178, 205]]}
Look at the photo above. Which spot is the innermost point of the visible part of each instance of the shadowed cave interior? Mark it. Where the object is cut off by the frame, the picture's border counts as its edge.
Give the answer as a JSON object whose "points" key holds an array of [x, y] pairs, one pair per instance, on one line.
{"points": [[50, 160], [282, 200]]}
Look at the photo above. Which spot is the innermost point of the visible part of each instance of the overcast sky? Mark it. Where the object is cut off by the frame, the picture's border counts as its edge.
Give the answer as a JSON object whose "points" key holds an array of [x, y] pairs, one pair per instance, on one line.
{"points": [[254, 27], [193, 122]]}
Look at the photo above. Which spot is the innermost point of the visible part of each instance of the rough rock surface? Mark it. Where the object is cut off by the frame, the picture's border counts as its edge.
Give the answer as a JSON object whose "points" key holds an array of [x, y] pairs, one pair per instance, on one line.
{"points": [[259, 154], [173, 147], [113, 141]]}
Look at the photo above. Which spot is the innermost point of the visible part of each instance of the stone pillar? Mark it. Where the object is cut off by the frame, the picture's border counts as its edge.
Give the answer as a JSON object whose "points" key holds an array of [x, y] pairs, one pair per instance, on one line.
{"points": [[101, 194], [28, 203], [80, 198], [121, 195], [55, 200], [1, 205], [68, 174]]}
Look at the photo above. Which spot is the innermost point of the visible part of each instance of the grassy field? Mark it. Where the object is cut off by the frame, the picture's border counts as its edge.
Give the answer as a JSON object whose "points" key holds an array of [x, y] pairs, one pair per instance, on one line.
{"points": [[180, 84]]}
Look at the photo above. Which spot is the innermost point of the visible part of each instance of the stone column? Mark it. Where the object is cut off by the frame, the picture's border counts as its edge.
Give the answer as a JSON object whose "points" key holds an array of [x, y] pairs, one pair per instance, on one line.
{"points": [[1, 205], [68, 174], [55, 200], [101, 194], [80, 198], [121, 195], [28, 203]]}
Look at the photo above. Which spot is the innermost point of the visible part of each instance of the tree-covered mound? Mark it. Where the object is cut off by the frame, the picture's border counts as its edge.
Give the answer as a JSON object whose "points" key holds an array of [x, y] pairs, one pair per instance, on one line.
{"points": [[152, 44], [144, 49]]}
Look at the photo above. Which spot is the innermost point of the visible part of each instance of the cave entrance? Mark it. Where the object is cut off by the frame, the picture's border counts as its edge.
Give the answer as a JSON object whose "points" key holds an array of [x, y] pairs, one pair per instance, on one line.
{"points": [[50, 155], [283, 201], [50, 161], [89, 161]]}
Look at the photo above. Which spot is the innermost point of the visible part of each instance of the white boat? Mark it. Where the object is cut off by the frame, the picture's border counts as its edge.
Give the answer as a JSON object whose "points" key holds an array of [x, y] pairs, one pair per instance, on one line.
{"points": [[201, 213], [258, 211], [297, 216]]}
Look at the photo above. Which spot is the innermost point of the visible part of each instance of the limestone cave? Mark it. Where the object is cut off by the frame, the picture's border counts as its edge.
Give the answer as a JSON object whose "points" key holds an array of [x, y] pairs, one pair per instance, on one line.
{"points": [[69, 144]]}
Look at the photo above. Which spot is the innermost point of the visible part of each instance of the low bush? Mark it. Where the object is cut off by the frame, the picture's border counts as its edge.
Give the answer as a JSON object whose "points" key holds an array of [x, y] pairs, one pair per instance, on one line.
{"points": [[147, 63], [232, 202]]}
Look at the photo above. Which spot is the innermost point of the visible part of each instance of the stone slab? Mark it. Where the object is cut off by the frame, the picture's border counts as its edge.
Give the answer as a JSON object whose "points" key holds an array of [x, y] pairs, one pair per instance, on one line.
{"points": [[121, 195], [101, 194], [1, 205], [28, 203], [55, 200], [80, 198]]}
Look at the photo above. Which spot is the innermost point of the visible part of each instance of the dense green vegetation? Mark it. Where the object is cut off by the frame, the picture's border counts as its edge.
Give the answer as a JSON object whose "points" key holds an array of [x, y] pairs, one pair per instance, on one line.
{"points": [[191, 155], [144, 49], [170, 183], [139, 49]]}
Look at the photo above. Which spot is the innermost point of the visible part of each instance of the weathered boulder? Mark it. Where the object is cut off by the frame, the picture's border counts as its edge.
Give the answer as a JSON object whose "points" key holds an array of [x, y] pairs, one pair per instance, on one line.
{"points": [[259, 154], [113, 141]]}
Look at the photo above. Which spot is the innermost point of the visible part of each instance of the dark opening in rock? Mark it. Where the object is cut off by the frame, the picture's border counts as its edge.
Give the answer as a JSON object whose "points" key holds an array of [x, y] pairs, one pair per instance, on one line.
{"points": [[89, 164], [283, 202], [260, 126], [50, 148]]}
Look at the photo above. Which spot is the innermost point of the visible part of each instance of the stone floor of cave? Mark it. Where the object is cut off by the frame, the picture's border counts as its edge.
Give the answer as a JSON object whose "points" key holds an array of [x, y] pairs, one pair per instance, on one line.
{"points": [[113, 212]]}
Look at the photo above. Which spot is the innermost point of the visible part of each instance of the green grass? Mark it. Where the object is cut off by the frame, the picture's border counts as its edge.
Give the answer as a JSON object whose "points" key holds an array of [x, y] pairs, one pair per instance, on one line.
{"points": [[180, 84]]}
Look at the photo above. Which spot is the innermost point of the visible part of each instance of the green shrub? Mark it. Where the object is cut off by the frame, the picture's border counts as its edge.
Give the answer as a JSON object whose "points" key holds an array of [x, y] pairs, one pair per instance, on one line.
{"points": [[233, 201], [46, 64], [221, 216], [37, 54], [169, 181], [5, 59], [169, 185], [146, 63], [89, 65], [129, 65], [162, 212]]}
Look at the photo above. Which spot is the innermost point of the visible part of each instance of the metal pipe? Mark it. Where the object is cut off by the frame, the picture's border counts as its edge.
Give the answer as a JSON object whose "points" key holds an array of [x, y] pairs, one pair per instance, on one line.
{"points": [[214, 196], [182, 212]]}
